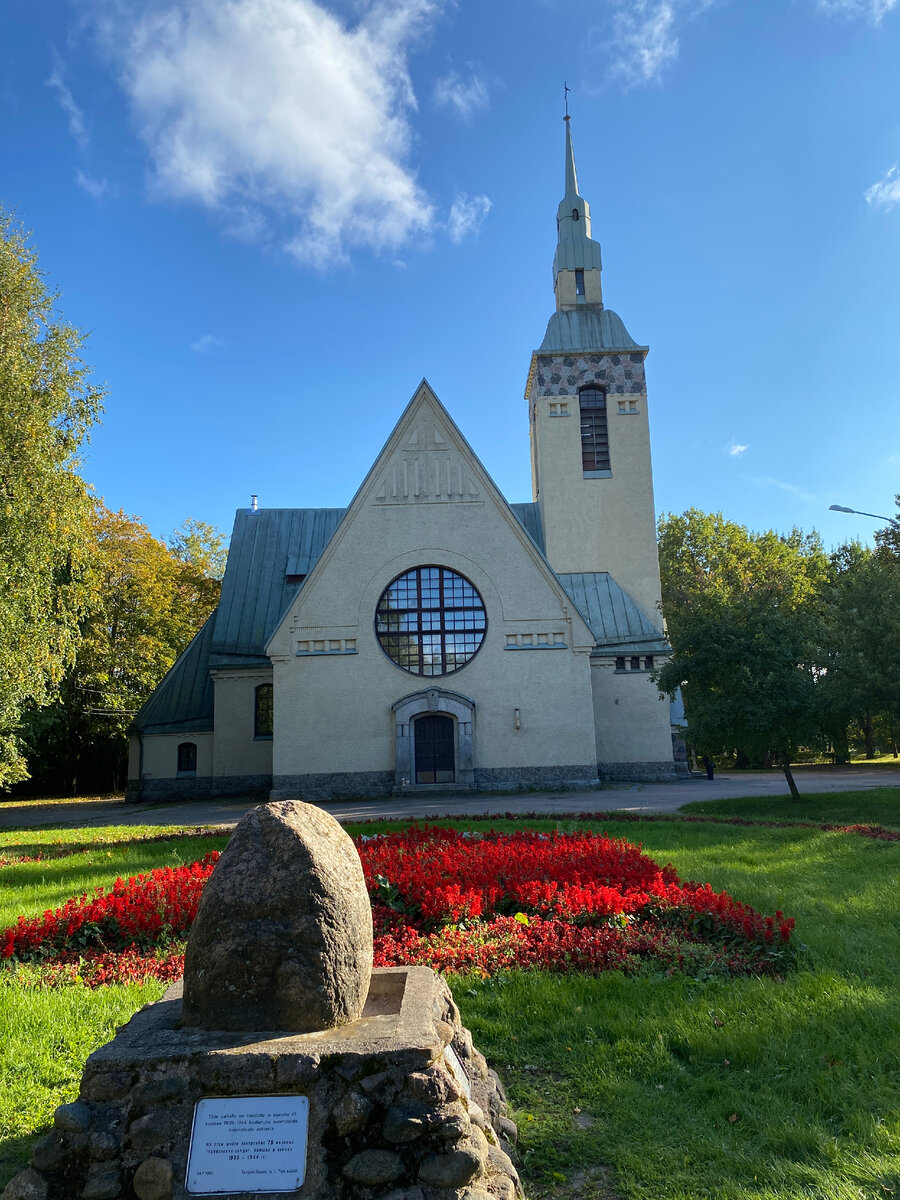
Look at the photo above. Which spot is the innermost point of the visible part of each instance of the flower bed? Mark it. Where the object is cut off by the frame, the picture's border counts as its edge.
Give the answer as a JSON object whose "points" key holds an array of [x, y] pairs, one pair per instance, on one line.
{"points": [[453, 901]]}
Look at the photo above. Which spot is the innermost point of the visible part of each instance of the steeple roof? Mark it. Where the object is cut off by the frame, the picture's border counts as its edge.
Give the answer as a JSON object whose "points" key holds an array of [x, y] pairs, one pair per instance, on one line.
{"points": [[576, 250], [571, 176]]}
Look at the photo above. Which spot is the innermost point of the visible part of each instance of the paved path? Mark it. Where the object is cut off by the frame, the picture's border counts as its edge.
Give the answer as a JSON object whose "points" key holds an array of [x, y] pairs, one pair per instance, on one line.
{"points": [[636, 797]]}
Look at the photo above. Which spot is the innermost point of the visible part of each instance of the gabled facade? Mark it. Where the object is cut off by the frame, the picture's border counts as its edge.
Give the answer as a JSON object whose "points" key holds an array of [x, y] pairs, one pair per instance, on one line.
{"points": [[432, 636]]}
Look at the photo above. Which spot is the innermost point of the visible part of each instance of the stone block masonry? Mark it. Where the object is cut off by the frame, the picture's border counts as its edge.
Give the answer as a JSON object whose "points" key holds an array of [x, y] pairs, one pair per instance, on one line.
{"points": [[402, 1106]]}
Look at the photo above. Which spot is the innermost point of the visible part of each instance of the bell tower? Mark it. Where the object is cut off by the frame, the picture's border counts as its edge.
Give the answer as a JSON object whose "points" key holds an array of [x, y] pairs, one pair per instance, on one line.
{"points": [[590, 439]]}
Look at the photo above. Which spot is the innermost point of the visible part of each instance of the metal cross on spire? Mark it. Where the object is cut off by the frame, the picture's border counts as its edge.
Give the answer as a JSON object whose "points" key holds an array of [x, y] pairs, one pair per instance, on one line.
{"points": [[566, 90]]}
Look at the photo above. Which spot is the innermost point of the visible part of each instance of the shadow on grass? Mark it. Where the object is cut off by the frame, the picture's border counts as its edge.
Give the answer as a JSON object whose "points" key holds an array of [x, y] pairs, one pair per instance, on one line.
{"points": [[874, 806], [51, 851], [689, 1088], [15, 1154], [29, 889]]}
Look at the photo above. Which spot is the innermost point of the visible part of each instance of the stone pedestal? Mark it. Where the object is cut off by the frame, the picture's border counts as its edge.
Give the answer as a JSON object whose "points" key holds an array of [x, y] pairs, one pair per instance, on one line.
{"points": [[401, 1105]]}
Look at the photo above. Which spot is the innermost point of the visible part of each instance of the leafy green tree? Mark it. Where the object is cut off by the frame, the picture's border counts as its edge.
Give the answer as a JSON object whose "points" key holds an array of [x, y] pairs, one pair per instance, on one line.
{"points": [[46, 551], [151, 601], [743, 617], [202, 545], [888, 539], [860, 664]]}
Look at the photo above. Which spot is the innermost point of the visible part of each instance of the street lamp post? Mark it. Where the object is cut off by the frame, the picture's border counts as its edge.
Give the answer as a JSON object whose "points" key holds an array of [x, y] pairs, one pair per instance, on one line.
{"points": [[860, 513]]}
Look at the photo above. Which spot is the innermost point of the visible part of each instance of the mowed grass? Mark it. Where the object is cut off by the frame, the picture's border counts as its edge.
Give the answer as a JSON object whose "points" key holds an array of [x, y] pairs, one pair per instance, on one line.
{"points": [[102, 855], [876, 806], [684, 1088]]}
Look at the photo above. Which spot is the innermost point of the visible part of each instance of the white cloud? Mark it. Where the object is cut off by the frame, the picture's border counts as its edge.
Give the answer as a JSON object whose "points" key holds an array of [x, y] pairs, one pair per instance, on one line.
{"points": [[886, 192], [95, 188], [466, 216], [873, 9], [465, 97], [643, 39], [56, 82], [207, 343], [734, 449], [642, 36], [289, 124], [790, 488]]}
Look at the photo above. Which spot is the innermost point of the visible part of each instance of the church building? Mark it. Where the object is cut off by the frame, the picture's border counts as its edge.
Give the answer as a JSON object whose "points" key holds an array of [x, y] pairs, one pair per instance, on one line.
{"points": [[432, 636]]}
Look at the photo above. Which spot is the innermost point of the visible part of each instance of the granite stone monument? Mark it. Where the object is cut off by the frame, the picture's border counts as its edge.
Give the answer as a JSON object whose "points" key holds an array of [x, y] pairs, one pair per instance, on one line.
{"points": [[285, 1066]]}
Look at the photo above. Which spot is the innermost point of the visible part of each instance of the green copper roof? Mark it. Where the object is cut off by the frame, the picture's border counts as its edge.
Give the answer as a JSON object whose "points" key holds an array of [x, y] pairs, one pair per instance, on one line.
{"points": [[585, 330], [268, 546], [184, 699], [529, 517], [576, 250], [613, 617]]}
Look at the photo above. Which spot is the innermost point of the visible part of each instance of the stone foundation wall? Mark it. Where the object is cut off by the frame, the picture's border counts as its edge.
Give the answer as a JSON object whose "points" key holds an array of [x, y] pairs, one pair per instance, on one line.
{"points": [[332, 786], [646, 772], [392, 1115], [198, 789], [521, 779], [353, 784]]}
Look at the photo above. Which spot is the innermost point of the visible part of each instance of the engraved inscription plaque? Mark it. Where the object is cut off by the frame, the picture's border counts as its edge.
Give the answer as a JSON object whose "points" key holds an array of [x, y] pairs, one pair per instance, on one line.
{"points": [[248, 1144], [457, 1071]]}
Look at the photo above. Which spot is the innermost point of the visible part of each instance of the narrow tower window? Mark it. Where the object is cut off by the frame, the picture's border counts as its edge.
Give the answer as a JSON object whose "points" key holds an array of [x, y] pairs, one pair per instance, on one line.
{"points": [[579, 283], [594, 433], [262, 721]]}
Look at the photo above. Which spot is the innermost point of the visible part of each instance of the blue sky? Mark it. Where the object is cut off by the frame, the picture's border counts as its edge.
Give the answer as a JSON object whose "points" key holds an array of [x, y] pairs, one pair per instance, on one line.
{"points": [[276, 216]]}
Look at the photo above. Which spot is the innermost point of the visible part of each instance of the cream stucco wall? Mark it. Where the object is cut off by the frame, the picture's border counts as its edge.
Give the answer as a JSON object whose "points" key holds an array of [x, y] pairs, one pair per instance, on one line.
{"points": [[605, 524], [333, 707], [333, 710], [161, 755], [632, 721], [566, 297], [237, 751]]}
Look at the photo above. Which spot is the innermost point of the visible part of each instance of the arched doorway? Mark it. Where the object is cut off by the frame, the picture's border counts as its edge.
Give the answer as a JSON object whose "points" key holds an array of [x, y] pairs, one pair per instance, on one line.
{"points": [[435, 749], [458, 711]]}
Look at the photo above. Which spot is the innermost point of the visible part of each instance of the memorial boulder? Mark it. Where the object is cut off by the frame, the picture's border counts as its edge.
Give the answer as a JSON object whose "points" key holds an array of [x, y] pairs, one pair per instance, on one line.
{"points": [[283, 934], [288, 1067]]}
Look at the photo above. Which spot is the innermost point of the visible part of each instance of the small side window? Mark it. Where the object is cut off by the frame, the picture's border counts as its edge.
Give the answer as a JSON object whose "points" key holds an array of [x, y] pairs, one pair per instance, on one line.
{"points": [[620, 663], [648, 663], [635, 662], [187, 760], [264, 711], [579, 283]]}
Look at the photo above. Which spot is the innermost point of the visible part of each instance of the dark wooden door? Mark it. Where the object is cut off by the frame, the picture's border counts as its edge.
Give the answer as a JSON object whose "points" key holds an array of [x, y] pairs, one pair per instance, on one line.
{"points": [[434, 750]]}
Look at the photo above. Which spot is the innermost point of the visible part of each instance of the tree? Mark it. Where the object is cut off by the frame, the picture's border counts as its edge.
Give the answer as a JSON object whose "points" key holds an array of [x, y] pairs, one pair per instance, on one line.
{"points": [[202, 545], [743, 614], [46, 550], [860, 665], [888, 539], [151, 601]]}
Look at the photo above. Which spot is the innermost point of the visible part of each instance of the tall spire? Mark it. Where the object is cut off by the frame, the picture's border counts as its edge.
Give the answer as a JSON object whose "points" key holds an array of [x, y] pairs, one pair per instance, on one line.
{"points": [[576, 264], [571, 177]]}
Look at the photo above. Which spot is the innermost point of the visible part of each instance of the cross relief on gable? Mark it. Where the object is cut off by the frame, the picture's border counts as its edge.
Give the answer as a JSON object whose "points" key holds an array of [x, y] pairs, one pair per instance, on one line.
{"points": [[427, 468]]}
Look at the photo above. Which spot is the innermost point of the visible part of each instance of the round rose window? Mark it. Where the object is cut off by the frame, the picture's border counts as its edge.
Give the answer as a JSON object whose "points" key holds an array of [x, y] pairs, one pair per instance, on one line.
{"points": [[430, 621]]}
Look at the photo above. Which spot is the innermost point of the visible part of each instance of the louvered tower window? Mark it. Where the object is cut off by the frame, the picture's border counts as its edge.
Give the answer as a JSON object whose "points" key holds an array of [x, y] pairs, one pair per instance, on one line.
{"points": [[594, 432]]}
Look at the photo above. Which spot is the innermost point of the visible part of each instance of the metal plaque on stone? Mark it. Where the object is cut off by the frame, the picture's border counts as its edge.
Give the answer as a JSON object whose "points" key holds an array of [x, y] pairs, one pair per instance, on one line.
{"points": [[456, 1070], [248, 1144]]}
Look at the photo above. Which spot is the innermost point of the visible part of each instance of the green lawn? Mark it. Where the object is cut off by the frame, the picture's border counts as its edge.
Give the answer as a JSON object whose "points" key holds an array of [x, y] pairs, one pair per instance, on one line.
{"points": [[683, 1088], [877, 806]]}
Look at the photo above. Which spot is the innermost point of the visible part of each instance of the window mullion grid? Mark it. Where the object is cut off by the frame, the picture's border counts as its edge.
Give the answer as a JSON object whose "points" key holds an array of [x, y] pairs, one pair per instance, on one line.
{"points": [[420, 635], [443, 619]]}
